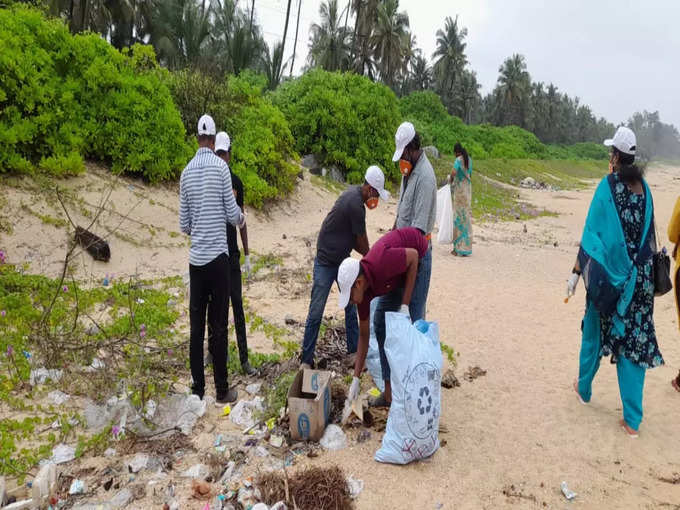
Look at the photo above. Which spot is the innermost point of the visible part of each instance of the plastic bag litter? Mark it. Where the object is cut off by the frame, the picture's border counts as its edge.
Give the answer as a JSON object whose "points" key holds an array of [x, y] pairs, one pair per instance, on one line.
{"points": [[415, 359], [243, 413], [333, 438], [373, 355], [62, 453], [444, 215]]}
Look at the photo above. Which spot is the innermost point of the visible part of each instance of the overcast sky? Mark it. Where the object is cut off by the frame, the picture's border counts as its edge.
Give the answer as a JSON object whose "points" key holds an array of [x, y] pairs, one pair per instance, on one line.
{"points": [[617, 56]]}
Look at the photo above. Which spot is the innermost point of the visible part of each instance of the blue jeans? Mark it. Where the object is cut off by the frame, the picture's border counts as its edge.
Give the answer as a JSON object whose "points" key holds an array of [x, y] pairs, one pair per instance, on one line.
{"points": [[324, 277], [631, 376], [392, 302]]}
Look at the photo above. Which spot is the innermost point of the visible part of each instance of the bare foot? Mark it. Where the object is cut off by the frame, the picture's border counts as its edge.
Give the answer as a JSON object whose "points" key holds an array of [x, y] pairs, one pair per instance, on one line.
{"points": [[631, 433], [580, 399], [675, 384]]}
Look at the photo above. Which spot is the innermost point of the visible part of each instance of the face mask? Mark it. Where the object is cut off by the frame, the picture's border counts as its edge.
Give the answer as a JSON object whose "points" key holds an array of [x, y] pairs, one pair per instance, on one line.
{"points": [[372, 202], [405, 167]]}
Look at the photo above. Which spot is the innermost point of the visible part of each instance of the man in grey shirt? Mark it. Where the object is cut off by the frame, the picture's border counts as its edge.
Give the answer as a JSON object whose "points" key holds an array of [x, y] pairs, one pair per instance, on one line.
{"points": [[417, 205]]}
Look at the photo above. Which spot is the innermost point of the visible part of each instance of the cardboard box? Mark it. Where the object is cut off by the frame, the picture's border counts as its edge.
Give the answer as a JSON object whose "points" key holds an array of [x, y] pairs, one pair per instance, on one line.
{"points": [[309, 404]]}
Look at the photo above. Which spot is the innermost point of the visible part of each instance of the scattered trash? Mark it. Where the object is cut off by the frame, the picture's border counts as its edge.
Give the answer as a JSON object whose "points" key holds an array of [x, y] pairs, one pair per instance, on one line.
{"points": [[150, 409], [270, 423], [44, 486], [364, 436], [303, 488], [333, 438], [246, 497], [42, 375], [261, 451], [226, 410], [374, 392], [309, 404], [200, 471], [450, 380], [567, 493], [122, 499], [355, 487], [228, 473], [279, 506], [218, 440], [254, 388], [260, 506], [58, 397], [77, 487], [473, 373], [139, 462], [243, 413], [97, 364], [97, 247], [62, 453], [201, 489], [276, 441]]}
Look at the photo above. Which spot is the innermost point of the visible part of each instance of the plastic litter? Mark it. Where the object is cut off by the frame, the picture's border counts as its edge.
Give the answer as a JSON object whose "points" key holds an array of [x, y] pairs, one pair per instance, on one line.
{"points": [[41, 375], [110, 452], [58, 397], [254, 388], [150, 409], [279, 506], [261, 451], [138, 463], [200, 471], [333, 438], [243, 413], [415, 358], [97, 364], [445, 215], [374, 392], [77, 487], [226, 410], [276, 441], [218, 440], [62, 453], [122, 499], [355, 487], [567, 493], [260, 506]]}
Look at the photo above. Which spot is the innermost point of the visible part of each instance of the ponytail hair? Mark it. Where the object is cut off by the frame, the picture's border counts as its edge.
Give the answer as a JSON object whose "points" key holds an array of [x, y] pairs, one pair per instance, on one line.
{"points": [[458, 149]]}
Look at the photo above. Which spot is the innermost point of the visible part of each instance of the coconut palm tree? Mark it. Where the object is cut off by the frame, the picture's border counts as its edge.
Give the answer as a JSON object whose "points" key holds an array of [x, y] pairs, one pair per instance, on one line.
{"points": [[365, 19], [273, 65], [297, 28], [387, 40], [235, 44], [329, 41], [450, 59], [514, 91], [468, 93], [421, 74]]}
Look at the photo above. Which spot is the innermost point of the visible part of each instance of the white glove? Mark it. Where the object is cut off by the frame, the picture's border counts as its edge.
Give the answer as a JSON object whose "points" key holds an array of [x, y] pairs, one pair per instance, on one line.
{"points": [[448, 179], [572, 282], [246, 265], [353, 390], [403, 309], [243, 221]]}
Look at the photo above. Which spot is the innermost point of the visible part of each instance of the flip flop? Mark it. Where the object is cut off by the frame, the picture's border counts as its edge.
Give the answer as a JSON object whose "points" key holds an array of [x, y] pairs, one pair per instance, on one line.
{"points": [[580, 399], [625, 428], [379, 401]]}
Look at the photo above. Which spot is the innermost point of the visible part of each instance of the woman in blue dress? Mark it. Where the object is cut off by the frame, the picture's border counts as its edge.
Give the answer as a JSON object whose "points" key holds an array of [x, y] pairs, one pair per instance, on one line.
{"points": [[615, 260], [461, 189]]}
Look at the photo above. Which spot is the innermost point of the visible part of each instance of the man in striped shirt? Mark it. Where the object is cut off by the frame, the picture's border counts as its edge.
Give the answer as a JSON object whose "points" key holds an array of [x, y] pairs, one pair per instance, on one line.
{"points": [[206, 204]]}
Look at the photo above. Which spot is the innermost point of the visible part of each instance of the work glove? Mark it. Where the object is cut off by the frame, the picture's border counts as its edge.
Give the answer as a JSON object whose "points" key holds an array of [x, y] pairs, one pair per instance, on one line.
{"points": [[353, 393], [572, 282], [242, 223], [246, 266], [403, 309]]}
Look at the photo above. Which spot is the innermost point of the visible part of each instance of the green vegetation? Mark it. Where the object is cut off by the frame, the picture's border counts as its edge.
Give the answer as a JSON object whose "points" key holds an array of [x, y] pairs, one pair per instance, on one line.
{"points": [[277, 395], [345, 119], [66, 97]]}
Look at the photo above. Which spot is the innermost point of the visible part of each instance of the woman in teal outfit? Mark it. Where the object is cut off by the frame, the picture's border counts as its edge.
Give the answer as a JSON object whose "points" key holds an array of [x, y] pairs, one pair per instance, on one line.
{"points": [[615, 259], [461, 188]]}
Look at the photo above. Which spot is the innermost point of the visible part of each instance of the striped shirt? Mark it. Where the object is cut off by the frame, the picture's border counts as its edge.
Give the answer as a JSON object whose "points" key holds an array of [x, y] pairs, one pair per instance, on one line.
{"points": [[206, 204]]}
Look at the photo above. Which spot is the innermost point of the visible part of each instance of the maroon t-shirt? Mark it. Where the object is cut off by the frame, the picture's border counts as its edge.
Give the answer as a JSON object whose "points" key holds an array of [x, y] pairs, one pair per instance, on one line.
{"points": [[385, 264]]}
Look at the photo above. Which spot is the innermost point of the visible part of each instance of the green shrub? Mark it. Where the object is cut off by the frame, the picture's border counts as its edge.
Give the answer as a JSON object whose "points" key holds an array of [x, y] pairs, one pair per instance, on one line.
{"points": [[344, 119], [262, 144], [65, 97]]}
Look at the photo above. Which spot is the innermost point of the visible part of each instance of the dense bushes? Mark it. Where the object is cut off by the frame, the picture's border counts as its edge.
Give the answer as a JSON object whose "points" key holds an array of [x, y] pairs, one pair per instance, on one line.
{"points": [[345, 119], [428, 114], [262, 145]]}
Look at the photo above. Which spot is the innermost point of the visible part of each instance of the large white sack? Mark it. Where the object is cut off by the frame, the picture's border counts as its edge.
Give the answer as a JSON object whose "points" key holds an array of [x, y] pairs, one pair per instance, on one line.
{"points": [[445, 215], [415, 358]]}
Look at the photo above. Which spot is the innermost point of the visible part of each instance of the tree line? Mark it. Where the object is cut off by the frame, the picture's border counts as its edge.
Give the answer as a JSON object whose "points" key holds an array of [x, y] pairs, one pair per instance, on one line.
{"points": [[369, 37]]}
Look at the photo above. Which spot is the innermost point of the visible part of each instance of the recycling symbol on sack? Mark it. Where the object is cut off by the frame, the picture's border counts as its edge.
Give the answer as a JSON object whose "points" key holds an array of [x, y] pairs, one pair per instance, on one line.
{"points": [[424, 400], [421, 399]]}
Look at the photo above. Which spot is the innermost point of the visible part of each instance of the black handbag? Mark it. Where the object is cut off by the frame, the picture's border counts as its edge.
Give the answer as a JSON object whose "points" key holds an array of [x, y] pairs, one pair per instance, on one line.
{"points": [[662, 273]]}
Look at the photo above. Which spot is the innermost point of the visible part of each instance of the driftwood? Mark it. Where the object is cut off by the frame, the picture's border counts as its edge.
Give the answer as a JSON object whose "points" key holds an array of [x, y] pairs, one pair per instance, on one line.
{"points": [[95, 245]]}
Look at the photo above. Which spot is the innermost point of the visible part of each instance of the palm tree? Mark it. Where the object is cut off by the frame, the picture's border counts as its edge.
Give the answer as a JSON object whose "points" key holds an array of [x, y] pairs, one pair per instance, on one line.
{"points": [[235, 44], [329, 42], [421, 73], [366, 16], [450, 54], [273, 65], [297, 28], [468, 93], [514, 89], [387, 40]]}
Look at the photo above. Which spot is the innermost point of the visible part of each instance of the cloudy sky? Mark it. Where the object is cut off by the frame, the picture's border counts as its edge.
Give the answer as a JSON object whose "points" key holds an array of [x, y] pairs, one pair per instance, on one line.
{"points": [[617, 56]]}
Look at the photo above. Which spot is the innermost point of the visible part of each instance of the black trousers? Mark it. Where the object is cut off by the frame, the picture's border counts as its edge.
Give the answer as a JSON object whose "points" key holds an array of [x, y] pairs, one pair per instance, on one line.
{"points": [[236, 296], [209, 290]]}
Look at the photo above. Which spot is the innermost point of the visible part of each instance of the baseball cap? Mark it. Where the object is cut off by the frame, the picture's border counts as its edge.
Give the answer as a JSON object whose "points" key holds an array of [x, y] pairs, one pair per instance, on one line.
{"points": [[206, 125], [624, 140], [405, 133], [222, 142], [376, 178], [347, 275]]}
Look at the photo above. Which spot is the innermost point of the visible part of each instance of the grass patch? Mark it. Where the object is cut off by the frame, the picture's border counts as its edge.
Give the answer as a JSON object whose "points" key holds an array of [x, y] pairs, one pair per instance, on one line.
{"points": [[327, 184], [45, 218], [277, 395], [559, 173]]}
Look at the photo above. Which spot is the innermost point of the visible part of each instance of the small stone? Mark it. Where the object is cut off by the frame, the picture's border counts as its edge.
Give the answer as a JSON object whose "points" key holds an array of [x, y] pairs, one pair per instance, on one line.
{"points": [[290, 320], [284, 236], [450, 380]]}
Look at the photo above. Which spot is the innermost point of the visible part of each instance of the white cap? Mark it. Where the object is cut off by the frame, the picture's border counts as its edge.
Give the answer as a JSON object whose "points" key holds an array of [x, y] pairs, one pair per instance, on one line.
{"points": [[624, 140], [206, 125], [222, 142], [405, 133], [347, 275], [376, 178]]}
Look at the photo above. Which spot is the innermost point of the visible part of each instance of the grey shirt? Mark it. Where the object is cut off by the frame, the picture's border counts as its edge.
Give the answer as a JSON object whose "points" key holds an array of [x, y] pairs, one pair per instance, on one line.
{"points": [[418, 198]]}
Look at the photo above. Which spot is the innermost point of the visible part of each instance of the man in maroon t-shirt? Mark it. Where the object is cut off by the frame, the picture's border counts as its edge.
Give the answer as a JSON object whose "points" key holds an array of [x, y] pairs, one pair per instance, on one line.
{"points": [[388, 270]]}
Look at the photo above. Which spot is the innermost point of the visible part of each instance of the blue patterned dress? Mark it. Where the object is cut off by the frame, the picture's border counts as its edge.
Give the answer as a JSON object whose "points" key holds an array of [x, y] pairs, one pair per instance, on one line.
{"points": [[638, 344]]}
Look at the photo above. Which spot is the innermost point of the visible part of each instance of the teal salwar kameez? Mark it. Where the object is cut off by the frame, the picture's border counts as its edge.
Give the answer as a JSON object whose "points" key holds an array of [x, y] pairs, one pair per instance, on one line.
{"points": [[461, 189]]}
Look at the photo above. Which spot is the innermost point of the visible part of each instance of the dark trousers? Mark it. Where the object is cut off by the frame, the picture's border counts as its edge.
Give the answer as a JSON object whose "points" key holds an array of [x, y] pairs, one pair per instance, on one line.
{"points": [[236, 296], [209, 290]]}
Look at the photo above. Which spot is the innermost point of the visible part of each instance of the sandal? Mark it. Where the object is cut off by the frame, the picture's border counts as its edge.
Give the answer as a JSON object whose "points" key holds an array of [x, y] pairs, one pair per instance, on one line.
{"points": [[633, 434], [580, 398], [379, 401]]}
